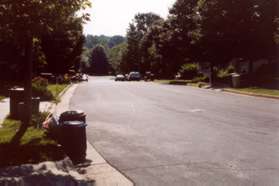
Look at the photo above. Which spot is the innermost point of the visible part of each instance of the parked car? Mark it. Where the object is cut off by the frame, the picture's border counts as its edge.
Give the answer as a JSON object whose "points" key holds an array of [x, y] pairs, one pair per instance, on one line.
{"points": [[120, 77], [134, 76], [149, 76]]}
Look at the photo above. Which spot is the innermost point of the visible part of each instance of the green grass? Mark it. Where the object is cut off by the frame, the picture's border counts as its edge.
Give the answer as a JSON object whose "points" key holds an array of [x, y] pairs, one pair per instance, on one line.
{"points": [[2, 97], [35, 146], [259, 91], [56, 89], [162, 81], [194, 83]]}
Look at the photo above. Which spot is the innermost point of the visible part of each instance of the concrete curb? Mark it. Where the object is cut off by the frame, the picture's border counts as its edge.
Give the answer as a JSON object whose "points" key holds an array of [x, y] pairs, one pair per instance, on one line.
{"points": [[98, 169], [102, 172], [250, 94], [51, 107], [232, 91]]}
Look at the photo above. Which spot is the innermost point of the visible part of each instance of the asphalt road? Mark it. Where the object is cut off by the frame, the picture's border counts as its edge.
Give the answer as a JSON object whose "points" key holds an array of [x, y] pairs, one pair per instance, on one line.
{"points": [[175, 135]]}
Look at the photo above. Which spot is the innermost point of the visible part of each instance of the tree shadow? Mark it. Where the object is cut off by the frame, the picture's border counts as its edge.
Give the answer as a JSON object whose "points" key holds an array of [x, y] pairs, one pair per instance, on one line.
{"points": [[43, 174], [33, 152]]}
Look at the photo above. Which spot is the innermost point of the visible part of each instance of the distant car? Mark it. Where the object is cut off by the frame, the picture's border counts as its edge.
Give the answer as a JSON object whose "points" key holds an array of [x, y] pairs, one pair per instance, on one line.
{"points": [[120, 77], [84, 77], [134, 76]]}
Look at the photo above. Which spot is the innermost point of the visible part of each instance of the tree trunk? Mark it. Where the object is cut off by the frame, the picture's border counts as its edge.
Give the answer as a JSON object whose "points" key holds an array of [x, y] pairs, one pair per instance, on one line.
{"points": [[27, 92], [251, 66], [211, 76]]}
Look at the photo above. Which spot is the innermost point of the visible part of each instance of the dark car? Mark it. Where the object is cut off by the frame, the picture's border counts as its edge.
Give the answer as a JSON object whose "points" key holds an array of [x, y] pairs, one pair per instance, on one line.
{"points": [[134, 76]]}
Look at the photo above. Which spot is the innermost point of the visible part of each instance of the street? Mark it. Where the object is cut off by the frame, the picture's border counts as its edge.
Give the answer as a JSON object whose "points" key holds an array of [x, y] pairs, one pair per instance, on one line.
{"points": [[177, 135]]}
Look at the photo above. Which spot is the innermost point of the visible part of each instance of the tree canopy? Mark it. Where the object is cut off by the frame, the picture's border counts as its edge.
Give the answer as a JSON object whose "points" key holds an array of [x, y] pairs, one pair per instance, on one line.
{"points": [[99, 61], [201, 31]]}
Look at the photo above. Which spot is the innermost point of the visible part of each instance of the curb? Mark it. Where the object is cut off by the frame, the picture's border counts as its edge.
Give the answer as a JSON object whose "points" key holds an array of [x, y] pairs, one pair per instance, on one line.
{"points": [[102, 172], [250, 94], [51, 107]]}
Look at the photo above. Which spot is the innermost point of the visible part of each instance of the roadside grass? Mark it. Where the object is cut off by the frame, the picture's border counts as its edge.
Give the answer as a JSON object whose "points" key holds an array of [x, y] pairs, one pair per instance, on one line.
{"points": [[193, 83], [35, 146], [55, 90], [162, 81], [2, 97], [257, 91]]}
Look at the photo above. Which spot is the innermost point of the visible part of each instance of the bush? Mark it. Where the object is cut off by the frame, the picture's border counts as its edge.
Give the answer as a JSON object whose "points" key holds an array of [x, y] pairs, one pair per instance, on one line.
{"points": [[189, 71], [223, 73], [39, 88]]}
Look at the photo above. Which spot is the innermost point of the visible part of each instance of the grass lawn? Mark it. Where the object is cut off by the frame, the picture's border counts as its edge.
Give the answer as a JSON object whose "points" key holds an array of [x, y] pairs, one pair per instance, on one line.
{"points": [[56, 89], [35, 146], [182, 82], [163, 81], [2, 97], [259, 91], [173, 82]]}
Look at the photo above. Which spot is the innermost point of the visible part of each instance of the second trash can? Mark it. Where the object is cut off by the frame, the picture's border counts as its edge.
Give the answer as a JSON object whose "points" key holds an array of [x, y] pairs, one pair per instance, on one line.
{"points": [[73, 135]]}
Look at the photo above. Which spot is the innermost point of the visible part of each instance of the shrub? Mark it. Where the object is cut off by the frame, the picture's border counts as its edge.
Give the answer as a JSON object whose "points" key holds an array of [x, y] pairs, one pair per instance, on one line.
{"points": [[189, 71], [223, 73], [39, 88]]}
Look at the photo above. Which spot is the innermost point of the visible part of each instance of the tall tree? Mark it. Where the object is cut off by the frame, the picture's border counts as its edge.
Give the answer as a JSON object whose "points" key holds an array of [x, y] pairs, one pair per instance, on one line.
{"points": [[136, 32], [116, 56], [99, 61]]}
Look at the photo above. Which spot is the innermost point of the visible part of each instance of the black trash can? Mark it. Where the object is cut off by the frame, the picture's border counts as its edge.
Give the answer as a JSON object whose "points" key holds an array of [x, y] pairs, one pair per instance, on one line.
{"points": [[35, 108], [73, 115], [16, 96], [73, 140]]}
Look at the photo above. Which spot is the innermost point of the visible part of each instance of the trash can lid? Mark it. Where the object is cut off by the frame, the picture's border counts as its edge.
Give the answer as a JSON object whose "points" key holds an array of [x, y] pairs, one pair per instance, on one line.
{"points": [[16, 89], [74, 124], [72, 112], [235, 74]]}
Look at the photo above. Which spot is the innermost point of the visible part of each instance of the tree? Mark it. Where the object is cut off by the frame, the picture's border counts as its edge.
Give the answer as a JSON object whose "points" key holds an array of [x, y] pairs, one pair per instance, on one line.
{"points": [[20, 24], [99, 61], [115, 57], [137, 30], [115, 40], [251, 38], [63, 48]]}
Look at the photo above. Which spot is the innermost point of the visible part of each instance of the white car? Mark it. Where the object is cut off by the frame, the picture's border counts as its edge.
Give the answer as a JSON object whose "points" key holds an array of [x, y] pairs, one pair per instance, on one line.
{"points": [[120, 77]]}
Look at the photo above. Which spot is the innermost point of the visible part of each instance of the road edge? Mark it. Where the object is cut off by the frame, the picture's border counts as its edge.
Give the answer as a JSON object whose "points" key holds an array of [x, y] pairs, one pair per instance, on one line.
{"points": [[250, 94]]}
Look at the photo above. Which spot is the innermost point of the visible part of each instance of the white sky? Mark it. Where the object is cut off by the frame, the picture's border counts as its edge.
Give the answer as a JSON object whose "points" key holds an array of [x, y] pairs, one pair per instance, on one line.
{"points": [[112, 17]]}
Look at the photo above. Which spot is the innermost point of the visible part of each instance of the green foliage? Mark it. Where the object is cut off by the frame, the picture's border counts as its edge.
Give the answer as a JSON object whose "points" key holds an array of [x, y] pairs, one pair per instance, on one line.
{"points": [[99, 61], [138, 55], [116, 55], [39, 88], [189, 71], [53, 21], [116, 40], [93, 41], [223, 73], [199, 31]]}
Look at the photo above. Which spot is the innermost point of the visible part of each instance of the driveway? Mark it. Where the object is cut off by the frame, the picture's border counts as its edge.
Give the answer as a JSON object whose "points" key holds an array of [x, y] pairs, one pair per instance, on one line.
{"points": [[175, 135]]}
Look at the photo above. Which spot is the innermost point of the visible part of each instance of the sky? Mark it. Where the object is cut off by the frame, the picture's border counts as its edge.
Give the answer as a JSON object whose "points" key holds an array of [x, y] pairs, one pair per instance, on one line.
{"points": [[112, 17]]}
